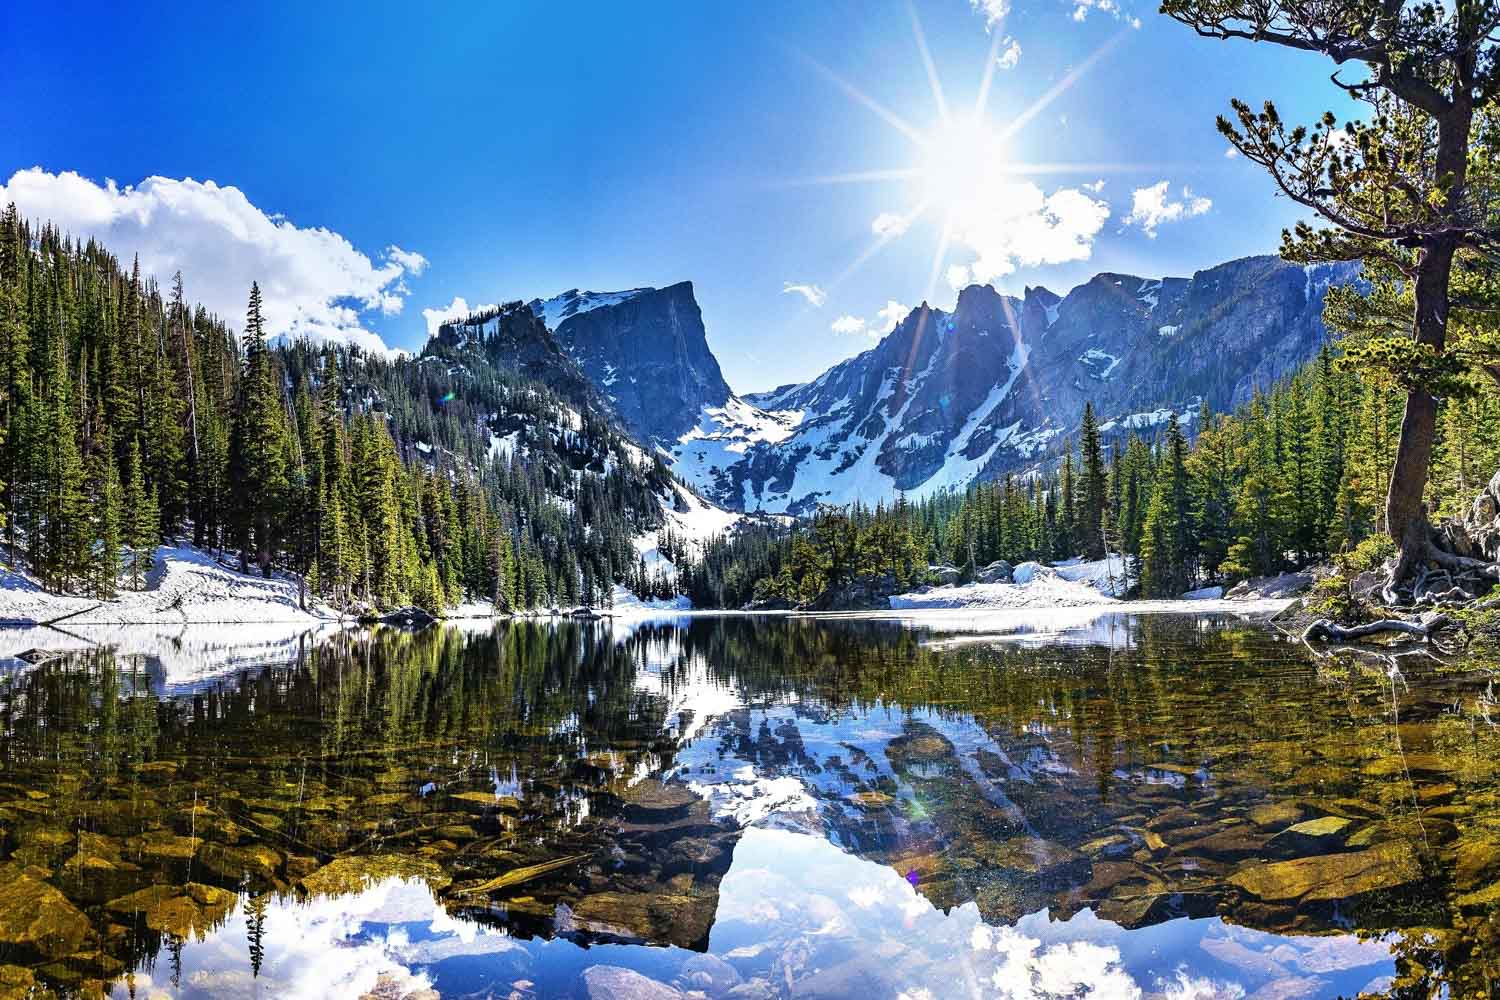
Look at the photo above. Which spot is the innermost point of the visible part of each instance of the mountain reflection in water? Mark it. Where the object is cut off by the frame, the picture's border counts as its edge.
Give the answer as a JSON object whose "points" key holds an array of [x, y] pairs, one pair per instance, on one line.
{"points": [[1111, 806]]}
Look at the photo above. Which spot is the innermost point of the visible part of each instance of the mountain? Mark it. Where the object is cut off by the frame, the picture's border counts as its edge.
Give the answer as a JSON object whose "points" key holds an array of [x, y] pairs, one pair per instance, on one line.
{"points": [[948, 397], [647, 351], [1000, 382]]}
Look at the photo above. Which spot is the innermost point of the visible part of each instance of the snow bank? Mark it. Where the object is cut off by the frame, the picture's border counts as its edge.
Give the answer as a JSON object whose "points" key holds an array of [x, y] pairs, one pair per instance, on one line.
{"points": [[1035, 586], [624, 602], [1105, 575], [186, 585]]}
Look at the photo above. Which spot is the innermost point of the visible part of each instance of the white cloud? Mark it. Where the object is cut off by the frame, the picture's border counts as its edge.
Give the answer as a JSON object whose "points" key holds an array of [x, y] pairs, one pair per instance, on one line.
{"points": [[889, 224], [890, 314], [313, 282], [1011, 55], [994, 11], [414, 262], [1151, 207], [1230, 153], [1011, 224], [958, 276], [849, 325], [1095, 186], [814, 295], [1111, 8], [457, 309]]}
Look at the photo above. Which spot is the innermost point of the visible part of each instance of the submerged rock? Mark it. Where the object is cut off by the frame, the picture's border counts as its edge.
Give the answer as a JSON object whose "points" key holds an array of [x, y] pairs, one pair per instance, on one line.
{"points": [[37, 918], [1332, 877], [611, 982], [343, 876], [193, 909]]}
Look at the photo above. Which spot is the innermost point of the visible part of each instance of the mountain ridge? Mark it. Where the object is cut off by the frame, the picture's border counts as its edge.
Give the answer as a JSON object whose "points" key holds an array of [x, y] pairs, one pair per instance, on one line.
{"points": [[948, 397]]}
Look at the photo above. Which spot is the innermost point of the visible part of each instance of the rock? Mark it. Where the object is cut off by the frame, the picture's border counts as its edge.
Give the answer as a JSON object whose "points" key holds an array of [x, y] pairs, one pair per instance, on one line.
{"points": [[1204, 594], [193, 909], [355, 874], [412, 618], [998, 571], [946, 576], [1270, 588], [708, 973], [1475, 861], [1048, 862], [611, 982], [1312, 836], [1332, 877], [36, 918], [1276, 814]]}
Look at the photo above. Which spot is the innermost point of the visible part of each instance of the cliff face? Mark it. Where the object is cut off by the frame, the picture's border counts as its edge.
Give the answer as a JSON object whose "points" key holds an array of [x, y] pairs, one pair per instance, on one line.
{"points": [[647, 352]]}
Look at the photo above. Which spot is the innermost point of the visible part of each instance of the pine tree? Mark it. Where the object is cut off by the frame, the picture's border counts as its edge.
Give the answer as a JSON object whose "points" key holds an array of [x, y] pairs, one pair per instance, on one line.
{"points": [[1091, 511]]}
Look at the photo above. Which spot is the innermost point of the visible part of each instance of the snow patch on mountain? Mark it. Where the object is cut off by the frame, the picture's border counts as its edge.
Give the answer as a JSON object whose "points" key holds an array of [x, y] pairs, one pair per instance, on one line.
{"points": [[574, 303]]}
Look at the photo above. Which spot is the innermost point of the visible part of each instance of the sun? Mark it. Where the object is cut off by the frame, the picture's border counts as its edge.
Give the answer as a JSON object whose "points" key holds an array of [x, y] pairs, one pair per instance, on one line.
{"points": [[960, 158]]}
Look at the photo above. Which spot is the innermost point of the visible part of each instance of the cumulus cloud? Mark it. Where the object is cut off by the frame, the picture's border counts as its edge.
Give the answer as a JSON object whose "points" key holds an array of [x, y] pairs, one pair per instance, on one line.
{"points": [[814, 295], [889, 224], [1007, 225], [414, 262], [1095, 186], [849, 325], [1011, 55], [1230, 153], [457, 309], [1152, 207], [313, 281], [890, 314]]}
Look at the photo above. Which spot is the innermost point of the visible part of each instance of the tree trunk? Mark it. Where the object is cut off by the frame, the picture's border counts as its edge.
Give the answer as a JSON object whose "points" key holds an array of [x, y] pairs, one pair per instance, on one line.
{"points": [[1405, 513]]}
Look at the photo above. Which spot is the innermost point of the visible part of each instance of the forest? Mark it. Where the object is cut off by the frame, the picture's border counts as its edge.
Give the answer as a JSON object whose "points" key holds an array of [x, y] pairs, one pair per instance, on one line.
{"points": [[130, 417]]}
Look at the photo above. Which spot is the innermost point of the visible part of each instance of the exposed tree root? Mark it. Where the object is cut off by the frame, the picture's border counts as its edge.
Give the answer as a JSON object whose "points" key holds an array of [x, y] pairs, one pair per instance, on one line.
{"points": [[1327, 629]]}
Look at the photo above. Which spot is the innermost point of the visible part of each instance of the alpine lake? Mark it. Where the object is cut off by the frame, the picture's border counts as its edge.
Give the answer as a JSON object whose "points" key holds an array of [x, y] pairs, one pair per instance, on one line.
{"points": [[1105, 805]]}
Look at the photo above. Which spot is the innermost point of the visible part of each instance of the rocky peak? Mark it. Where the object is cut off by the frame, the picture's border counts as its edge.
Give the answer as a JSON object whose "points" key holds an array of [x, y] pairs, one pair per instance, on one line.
{"points": [[647, 351]]}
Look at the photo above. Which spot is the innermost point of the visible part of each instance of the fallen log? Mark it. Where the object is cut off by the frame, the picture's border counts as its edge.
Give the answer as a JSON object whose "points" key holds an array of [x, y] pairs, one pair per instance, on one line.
{"points": [[71, 614], [1326, 629]]}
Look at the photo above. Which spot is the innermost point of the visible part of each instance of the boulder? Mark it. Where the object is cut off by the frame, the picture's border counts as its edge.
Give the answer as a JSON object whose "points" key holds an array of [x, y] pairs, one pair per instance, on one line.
{"points": [[36, 918], [946, 576], [1204, 594], [611, 982], [1330, 878], [412, 618], [1270, 588], [998, 571]]}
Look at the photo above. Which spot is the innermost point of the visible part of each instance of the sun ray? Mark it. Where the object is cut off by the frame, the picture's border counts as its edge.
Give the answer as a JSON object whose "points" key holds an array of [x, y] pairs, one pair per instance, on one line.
{"points": [[940, 256], [855, 177], [927, 63], [1062, 86], [880, 243], [982, 101], [860, 97]]}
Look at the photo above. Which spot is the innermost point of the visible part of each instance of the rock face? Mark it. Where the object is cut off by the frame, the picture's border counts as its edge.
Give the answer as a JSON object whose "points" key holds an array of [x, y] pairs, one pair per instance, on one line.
{"points": [[512, 337], [947, 398], [647, 352], [1477, 535]]}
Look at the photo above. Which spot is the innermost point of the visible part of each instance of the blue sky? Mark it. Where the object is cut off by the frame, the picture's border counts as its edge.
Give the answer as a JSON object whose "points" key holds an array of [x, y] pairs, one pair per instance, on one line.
{"points": [[391, 159]]}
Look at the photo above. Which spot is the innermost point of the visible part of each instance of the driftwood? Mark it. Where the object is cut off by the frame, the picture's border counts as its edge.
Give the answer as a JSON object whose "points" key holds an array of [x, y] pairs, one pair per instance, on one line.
{"points": [[1326, 629], [71, 614]]}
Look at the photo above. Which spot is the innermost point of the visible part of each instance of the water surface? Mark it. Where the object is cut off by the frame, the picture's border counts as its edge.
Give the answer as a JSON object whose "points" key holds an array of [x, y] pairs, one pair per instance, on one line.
{"points": [[1105, 806]]}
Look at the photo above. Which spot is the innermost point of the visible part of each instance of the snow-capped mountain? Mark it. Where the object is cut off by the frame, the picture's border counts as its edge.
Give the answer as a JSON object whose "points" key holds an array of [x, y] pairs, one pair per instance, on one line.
{"points": [[946, 398], [997, 383], [647, 352]]}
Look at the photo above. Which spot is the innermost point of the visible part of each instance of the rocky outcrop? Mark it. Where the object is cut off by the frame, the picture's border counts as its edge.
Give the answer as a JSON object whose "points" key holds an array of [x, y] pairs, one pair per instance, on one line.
{"points": [[646, 350], [1477, 534]]}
